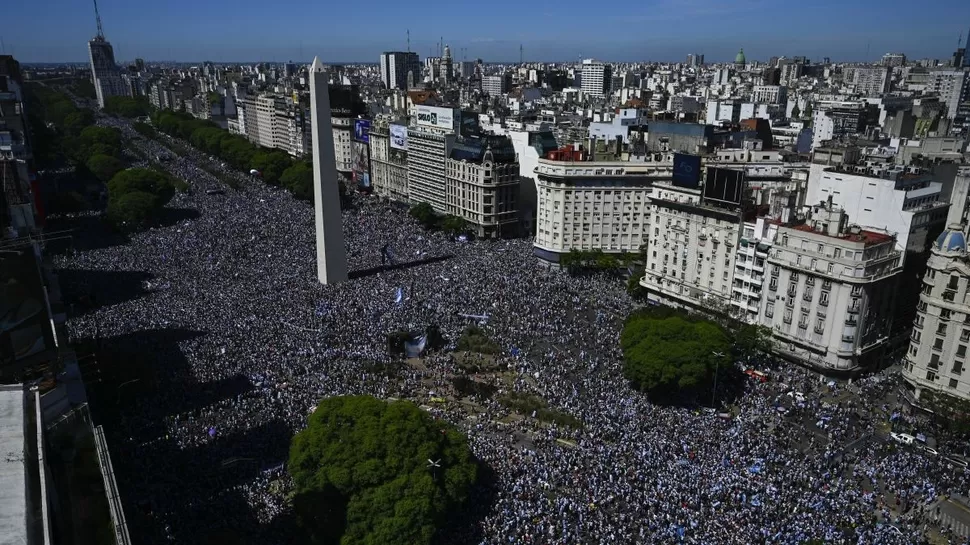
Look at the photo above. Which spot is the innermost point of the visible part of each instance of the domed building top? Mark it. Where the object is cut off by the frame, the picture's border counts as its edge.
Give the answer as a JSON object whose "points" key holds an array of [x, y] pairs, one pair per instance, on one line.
{"points": [[739, 59], [951, 240]]}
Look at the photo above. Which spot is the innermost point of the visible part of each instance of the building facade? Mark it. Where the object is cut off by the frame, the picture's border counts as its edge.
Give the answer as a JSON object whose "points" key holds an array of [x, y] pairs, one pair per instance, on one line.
{"points": [[104, 71], [483, 184], [389, 163], [770, 94], [831, 291], [592, 205], [597, 78], [396, 66], [937, 354]]}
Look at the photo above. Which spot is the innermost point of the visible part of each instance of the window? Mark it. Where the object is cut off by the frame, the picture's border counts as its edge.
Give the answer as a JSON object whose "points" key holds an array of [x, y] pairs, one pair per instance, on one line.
{"points": [[774, 270], [954, 282], [823, 299], [810, 281], [941, 329], [930, 376], [957, 367], [953, 383], [856, 290], [773, 284], [769, 311], [965, 335], [792, 288], [916, 336], [827, 285], [820, 325], [962, 351], [787, 317], [938, 344], [944, 314], [820, 248], [838, 253]]}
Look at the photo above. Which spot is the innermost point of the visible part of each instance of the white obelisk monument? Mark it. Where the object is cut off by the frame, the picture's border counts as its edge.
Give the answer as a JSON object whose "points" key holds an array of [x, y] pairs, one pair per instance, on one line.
{"points": [[331, 254]]}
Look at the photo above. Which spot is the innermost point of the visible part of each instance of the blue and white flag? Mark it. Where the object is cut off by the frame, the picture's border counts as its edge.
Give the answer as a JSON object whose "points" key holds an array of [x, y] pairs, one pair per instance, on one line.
{"points": [[399, 296]]}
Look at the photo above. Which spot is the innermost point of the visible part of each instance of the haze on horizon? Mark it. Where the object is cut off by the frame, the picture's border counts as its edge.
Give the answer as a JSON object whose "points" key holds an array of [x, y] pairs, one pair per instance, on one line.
{"points": [[658, 30]]}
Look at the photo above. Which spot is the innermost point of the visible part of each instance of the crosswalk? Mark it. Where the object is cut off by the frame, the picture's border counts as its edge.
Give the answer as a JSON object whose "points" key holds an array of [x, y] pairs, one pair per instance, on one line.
{"points": [[959, 528]]}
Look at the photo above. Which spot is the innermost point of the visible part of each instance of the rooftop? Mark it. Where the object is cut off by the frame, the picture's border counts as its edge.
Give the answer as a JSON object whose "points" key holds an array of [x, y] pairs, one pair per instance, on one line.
{"points": [[13, 473], [869, 238]]}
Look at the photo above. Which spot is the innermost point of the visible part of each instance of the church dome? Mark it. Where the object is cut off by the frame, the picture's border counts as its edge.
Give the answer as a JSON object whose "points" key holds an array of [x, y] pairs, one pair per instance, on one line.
{"points": [[739, 59], [951, 240]]}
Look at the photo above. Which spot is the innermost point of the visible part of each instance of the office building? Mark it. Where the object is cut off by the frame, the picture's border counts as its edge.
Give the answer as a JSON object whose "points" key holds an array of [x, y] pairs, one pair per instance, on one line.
{"points": [[496, 86], [104, 71], [388, 142], [331, 254], [396, 66], [872, 81], [953, 88], [695, 60], [960, 199], [894, 59], [597, 78], [770, 94], [483, 184], [273, 121], [429, 144], [937, 355], [834, 119], [445, 67]]}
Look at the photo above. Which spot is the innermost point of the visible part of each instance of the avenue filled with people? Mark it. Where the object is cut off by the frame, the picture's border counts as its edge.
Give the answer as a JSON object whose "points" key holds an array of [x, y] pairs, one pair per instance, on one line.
{"points": [[246, 342]]}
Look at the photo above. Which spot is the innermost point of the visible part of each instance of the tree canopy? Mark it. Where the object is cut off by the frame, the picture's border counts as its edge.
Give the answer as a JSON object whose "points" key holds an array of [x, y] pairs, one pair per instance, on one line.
{"points": [[136, 197], [672, 357], [271, 164], [362, 475], [104, 167], [127, 106], [298, 178], [424, 214]]}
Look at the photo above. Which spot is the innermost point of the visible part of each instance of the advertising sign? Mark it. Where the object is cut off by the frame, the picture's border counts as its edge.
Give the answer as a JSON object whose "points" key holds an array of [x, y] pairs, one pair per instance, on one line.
{"points": [[724, 185], [399, 137], [439, 118], [362, 130], [361, 166], [687, 170]]}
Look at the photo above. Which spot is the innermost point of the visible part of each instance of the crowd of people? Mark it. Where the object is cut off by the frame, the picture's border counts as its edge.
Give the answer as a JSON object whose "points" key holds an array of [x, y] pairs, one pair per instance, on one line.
{"points": [[247, 342]]}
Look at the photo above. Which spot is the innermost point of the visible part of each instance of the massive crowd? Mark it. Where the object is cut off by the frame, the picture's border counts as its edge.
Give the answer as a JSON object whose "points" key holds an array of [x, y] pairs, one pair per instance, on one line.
{"points": [[248, 342]]}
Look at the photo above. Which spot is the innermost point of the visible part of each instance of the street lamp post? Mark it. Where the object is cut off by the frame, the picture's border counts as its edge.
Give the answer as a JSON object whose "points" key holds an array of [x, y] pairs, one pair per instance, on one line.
{"points": [[717, 365]]}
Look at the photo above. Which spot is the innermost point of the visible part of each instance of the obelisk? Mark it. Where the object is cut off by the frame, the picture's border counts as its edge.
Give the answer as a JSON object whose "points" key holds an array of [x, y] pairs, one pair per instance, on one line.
{"points": [[331, 254]]}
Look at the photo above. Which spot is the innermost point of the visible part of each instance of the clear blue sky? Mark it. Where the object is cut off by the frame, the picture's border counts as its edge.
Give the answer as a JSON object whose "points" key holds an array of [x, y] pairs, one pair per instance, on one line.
{"points": [[344, 31]]}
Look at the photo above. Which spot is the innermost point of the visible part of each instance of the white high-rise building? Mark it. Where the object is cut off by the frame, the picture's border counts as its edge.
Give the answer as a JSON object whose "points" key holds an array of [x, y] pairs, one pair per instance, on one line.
{"points": [[953, 87], [331, 254], [873, 80], [395, 67], [597, 79], [104, 71]]}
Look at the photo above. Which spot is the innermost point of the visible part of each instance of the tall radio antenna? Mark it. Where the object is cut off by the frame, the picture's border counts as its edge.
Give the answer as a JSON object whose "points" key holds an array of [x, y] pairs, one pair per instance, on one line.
{"points": [[409, 40], [98, 17]]}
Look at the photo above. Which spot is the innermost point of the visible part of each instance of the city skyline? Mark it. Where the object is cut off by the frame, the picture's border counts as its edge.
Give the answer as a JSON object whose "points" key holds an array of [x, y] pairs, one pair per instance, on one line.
{"points": [[651, 33]]}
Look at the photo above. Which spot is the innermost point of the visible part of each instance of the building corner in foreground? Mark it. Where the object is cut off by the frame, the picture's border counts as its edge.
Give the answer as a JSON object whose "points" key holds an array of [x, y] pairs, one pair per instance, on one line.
{"points": [[331, 254]]}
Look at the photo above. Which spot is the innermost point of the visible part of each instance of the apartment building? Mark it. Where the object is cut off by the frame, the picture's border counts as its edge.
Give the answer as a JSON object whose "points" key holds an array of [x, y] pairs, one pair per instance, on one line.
{"points": [[592, 205], [389, 159], [273, 121], [937, 354], [872, 81], [770, 94], [831, 291], [483, 184], [692, 250], [952, 86]]}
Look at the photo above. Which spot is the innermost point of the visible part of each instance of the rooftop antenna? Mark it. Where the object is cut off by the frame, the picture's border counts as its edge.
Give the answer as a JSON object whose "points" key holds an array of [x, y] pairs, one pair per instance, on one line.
{"points": [[98, 17], [409, 40], [869, 43], [960, 40], [520, 54], [3, 48]]}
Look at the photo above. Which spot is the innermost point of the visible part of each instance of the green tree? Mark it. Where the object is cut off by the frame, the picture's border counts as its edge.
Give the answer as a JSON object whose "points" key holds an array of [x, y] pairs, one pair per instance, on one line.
{"points": [[796, 112], [271, 164], [672, 357], [132, 211], [104, 167], [142, 180], [424, 214], [78, 120], [454, 225], [362, 476], [127, 106], [750, 341], [298, 179], [97, 140]]}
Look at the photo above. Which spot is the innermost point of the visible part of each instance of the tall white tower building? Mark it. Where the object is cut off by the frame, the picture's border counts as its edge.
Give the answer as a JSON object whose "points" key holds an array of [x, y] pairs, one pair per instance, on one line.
{"points": [[331, 254], [104, 71]]}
